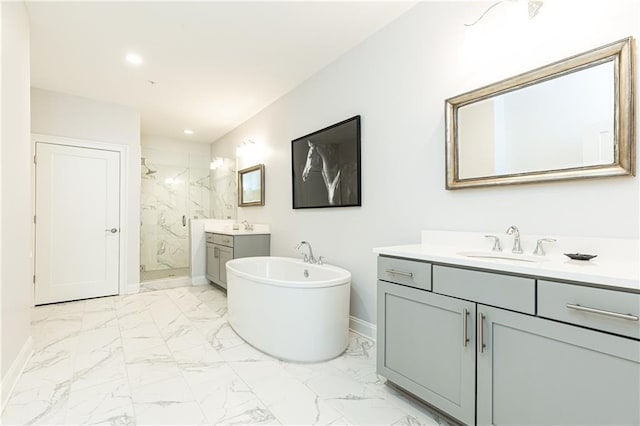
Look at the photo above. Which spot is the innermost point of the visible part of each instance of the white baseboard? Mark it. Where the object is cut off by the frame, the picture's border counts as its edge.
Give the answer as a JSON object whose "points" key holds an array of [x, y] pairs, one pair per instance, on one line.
{"points": [[15, 370], [362, 327], [200, 280], [133, 288]]}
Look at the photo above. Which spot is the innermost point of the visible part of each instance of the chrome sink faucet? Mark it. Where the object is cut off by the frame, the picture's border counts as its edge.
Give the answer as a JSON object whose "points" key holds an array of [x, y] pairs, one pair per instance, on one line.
{"points": [[247, 226], [496, 242], [513, 230], [310, 258]]}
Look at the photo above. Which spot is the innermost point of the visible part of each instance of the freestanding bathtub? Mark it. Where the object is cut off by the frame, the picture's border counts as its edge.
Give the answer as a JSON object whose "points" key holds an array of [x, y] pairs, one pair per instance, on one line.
{"points": [[289, 309]]}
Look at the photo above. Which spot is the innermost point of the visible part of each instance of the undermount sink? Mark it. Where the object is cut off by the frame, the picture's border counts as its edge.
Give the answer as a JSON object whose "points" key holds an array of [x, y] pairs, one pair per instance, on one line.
{"points": [[503, 255]]}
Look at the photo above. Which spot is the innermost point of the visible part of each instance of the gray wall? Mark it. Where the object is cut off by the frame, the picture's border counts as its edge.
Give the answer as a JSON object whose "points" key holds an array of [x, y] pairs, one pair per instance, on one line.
{"points": [[397, 81]]}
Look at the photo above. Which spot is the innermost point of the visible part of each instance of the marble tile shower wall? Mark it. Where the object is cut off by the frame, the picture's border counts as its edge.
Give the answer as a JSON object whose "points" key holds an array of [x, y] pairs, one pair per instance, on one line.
{"points": [[168, 193], [224, 190]]}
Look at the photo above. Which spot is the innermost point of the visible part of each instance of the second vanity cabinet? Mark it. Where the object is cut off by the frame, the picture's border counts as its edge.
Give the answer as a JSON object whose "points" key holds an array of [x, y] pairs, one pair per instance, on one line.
{"points": [[474, 345], [221, 248]]}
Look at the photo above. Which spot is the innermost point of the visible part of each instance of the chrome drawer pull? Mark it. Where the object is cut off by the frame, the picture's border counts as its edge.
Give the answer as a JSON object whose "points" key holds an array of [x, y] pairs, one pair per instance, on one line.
{"points": [[465, 332], [481, 344], [404, 274], [601, 312]]}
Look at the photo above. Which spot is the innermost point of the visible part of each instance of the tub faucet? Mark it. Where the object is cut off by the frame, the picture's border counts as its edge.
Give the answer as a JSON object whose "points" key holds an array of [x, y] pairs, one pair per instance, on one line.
{"points": [[310, 258], [247, 226], [513, 230]]}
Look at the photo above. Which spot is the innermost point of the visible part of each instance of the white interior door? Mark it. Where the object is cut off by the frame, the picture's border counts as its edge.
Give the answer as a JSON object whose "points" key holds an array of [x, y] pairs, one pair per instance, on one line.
{"points": [[77, 223]]}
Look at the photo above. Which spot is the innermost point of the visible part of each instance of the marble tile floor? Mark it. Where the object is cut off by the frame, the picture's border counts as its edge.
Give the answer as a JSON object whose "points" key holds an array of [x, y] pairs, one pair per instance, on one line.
{"points": [[170, 357], [162, 274], [164, 284]]}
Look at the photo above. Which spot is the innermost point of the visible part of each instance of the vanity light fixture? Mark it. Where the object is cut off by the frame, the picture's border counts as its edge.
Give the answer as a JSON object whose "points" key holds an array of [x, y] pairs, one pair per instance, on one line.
{"points": [[245, 148], [133, 58], [187, 131], [533, 7]]}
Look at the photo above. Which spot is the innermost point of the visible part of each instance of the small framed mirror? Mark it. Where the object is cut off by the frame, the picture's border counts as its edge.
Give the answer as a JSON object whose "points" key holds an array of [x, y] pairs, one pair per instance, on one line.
{"points": [[571, 119], [251, 186]]}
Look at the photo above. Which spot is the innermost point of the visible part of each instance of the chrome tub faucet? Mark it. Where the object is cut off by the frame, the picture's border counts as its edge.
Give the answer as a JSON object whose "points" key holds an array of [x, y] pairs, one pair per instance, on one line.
{"points": [[310, 258]]}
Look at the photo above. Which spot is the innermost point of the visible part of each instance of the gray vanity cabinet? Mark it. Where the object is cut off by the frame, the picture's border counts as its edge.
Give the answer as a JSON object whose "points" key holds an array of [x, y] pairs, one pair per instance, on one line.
{"points": [[426, 345], [494, 348], [217, 258], [537, 371], [221, 248]]}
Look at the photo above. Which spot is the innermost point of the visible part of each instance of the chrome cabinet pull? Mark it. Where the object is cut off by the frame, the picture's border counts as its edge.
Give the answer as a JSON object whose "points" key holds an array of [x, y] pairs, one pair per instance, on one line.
{"points": [[465, 323], [577, 307], [481, 344], [215, 252], [401, 273], [112, 230]]}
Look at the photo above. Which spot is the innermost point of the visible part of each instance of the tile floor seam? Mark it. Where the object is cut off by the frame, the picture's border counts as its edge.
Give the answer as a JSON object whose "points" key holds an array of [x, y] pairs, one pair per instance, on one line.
{"points": [[229, 364], [133, 406], [182, 375]]}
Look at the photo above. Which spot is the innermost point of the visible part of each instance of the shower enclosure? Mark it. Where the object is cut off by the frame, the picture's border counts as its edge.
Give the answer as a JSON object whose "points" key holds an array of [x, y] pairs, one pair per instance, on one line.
{"points": [[224, 193], [174, 189]]}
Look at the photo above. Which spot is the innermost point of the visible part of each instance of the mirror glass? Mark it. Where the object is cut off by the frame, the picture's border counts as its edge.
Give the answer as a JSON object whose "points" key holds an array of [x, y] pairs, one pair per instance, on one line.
{"points": [[567, 120], [251, 186]]}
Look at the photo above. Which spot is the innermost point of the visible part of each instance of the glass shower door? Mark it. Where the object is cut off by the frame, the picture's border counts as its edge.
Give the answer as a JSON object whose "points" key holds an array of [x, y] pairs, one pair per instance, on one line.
{"points": [[165, 227]]}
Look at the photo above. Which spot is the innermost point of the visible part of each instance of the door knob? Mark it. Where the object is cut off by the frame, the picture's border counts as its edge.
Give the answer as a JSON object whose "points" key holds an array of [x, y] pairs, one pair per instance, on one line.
{"points": [[112, 230]]}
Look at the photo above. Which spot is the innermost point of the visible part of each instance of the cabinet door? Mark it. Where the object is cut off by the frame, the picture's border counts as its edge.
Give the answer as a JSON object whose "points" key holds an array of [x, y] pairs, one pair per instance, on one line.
{"points": [[225, 254], [213, 266], [426, 345], [537, 371]]}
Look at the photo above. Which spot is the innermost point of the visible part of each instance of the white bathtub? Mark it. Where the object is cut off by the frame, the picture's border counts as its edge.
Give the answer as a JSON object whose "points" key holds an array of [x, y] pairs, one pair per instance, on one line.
{"points": [[287, 313]]}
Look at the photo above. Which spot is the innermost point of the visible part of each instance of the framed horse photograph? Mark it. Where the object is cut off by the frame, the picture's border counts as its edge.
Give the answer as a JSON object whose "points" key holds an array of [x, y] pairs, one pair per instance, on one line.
{"points": [[325, 167]]}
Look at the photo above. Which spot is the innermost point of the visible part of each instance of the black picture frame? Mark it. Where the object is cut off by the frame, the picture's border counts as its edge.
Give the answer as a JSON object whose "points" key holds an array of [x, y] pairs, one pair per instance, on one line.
{"points": [[325, 167]]}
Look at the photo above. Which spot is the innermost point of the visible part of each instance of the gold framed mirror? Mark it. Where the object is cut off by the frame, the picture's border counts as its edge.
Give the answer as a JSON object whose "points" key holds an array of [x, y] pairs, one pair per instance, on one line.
{"points": [[251, 186], [571, 119]]}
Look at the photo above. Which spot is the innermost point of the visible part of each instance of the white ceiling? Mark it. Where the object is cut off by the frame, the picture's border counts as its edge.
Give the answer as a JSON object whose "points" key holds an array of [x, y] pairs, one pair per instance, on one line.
{"points": [[215, 64]]}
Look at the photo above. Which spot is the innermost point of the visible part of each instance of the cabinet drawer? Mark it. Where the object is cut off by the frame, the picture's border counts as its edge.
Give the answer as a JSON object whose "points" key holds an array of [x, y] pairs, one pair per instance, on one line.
{"points": [[407, 272], [225, 240], [607, 310], [209, 237], [504, 291]]}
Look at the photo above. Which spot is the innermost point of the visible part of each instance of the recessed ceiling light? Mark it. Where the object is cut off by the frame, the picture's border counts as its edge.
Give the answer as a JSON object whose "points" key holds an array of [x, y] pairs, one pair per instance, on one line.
{"points": [[188, 131], [133, 58]]}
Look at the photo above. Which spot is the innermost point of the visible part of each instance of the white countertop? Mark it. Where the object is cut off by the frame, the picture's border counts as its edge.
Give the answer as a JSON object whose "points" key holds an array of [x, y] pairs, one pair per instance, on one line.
{"points": [[609, 269], [227, 229], [235, 232]]}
